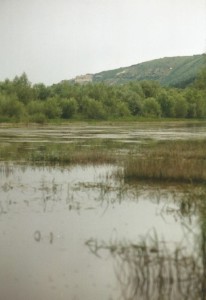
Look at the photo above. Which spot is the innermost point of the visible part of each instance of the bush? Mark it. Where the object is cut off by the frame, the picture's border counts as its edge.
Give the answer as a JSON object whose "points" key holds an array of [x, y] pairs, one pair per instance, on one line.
{"points": [[122, 110], [52, 108], [151, 108], [35, 107], [12, 108], [93, 109], [38, 118], [69, 107], [180, 107]]}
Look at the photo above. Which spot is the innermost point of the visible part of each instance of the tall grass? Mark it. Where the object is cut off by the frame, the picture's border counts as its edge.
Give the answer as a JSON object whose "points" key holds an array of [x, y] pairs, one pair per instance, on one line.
{"points": [[172, 160], [58, 153]]}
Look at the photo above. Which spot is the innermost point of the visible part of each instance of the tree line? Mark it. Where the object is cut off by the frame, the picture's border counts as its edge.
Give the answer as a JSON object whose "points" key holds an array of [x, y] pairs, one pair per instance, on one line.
{"points": [[22, 101]]}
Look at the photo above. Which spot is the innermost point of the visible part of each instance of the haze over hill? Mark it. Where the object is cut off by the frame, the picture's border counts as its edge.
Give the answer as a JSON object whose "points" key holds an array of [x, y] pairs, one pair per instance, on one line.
{"points": [[169, 71]]}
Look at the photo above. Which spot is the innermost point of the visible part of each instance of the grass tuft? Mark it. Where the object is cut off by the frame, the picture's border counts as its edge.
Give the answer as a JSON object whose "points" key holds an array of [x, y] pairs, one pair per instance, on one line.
{"points": [[183, 161]]}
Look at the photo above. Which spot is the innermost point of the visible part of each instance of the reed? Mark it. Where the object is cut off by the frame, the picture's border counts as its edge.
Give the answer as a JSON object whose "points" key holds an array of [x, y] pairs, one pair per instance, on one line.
{"points": [[72, 156], [148, 269], [182, 161], [60, 154]]}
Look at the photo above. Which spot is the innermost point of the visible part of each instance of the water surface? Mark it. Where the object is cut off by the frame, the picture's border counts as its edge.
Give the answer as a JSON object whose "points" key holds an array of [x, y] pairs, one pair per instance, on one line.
{"points": [[74, 232]]}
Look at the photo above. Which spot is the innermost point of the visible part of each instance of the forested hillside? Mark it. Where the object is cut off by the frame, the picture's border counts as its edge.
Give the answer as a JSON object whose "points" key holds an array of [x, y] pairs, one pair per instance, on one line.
{"points": [[22, 101], [169, 71]]}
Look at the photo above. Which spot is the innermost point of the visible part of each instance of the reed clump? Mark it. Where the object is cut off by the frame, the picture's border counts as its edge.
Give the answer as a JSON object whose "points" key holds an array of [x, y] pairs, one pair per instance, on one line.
{"points": [[181, 161]]}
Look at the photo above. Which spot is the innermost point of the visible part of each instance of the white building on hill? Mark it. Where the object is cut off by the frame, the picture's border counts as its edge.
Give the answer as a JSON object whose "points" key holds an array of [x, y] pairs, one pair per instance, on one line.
{"points": [[84, 79]]}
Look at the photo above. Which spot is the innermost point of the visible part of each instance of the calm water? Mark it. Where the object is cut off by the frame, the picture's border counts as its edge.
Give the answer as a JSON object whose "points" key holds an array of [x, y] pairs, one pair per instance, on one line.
{"points": [[129, 132], [71, 232]]}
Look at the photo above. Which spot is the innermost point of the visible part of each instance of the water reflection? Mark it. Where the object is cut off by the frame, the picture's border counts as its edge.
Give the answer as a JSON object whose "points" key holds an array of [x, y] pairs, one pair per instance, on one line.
{"points": [[149, 270], [152, 268], [122, 132], [47, 214]]}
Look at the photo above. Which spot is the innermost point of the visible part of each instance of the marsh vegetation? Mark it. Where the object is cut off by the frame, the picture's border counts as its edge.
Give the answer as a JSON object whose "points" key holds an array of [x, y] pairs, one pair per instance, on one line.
{"points": [[180, 161], [126, 199], [20, 101]]}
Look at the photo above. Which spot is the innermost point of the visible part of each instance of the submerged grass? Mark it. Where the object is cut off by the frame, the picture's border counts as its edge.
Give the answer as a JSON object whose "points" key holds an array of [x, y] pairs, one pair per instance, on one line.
{"points": [[182, 161], [92, 152], [149, 269], [172, 160]]}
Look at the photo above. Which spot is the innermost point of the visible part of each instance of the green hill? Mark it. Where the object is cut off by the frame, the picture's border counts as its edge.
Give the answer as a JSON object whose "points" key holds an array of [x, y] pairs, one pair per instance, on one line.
{"points": [[169, 71]]}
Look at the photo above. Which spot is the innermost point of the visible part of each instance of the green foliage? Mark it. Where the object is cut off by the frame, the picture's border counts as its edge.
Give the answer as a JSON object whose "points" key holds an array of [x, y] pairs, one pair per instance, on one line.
{"points": [[22, 88], [200, 82], [122, 110], [52, 108], [151, 108], [38, 118], [35, 107], [93, 109], [41, 91], [20, 101], [167, 104], [12, 108], [150, 88], [196, 103], [69, 107], [180, 107], [177, 71]]}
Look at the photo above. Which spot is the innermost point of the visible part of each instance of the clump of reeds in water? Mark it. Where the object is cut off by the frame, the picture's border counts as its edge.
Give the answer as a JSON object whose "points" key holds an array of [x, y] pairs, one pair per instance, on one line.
{"points": [[172, 160], [148, 271]]}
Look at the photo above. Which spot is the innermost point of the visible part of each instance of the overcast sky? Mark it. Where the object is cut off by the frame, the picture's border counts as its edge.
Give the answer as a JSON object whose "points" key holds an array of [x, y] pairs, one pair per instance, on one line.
{"points": [[52, 40]]}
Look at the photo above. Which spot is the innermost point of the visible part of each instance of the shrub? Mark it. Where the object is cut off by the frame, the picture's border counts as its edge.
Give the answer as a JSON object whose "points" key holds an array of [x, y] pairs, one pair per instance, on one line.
{"points": [[52, 108], [69, 107], [151, 108], [93, 109]]}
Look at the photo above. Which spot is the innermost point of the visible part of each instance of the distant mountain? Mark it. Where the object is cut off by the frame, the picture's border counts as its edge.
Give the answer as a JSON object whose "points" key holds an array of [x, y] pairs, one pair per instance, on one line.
{"points": [[169, 71]]}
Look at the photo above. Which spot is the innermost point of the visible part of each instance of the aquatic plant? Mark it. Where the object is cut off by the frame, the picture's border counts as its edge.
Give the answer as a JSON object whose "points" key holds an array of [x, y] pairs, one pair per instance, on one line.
{"points": [[148, 269], [183, 161]]}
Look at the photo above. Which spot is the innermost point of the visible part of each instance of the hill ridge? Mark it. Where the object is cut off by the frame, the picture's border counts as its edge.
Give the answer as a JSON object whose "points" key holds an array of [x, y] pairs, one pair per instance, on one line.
{"points": [[177, 71]]}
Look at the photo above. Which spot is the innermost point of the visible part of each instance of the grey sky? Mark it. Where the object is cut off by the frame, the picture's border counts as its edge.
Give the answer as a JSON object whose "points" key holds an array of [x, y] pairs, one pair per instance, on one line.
{"points": [[54, 40]]}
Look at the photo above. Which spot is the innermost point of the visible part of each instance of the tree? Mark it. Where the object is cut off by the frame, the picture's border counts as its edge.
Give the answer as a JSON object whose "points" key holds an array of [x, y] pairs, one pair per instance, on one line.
{"points": [[135, 103], [122, 109], [12, 108], [196, 103], [35, 107], [180, 107], [69, 107], [150, 88], [167, 104], [41, 91], [52, 108], [200, 82], [136, 87], [151, 108], [23, 89], [93, 109]]}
